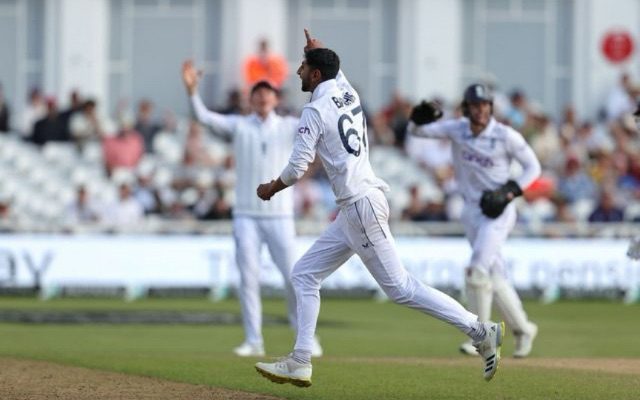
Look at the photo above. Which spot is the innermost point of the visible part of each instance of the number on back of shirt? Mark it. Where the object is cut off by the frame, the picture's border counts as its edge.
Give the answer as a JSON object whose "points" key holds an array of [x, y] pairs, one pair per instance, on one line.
{"points": [[353, 134]]}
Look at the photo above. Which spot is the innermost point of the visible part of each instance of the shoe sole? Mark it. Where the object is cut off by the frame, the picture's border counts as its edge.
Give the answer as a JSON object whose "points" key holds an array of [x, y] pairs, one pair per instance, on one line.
{"points": [[500, 338], [283, 379]]}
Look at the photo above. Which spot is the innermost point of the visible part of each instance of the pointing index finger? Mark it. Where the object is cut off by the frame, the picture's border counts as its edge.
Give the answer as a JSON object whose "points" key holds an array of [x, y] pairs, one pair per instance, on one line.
{"points": [[307, 34]]}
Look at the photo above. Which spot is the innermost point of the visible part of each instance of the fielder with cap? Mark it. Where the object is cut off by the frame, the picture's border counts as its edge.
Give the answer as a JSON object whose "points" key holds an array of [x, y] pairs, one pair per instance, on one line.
{"points": [[262, 143], [483, 149]]}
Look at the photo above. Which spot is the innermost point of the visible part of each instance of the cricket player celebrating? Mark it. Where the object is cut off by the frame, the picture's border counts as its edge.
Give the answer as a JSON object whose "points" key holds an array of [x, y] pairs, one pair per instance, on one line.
{"points": [[262, 142], [332, 125], [482, 152]]}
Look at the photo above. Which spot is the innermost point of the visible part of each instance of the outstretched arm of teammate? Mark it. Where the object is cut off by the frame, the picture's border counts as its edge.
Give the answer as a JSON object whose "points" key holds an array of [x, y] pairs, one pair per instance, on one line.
{"points": [[437, 129], [222, 124]]}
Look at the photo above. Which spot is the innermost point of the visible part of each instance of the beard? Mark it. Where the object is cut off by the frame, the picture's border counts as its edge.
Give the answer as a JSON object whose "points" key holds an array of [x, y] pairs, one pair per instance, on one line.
{"points": [[480, 121], [305, 85]]}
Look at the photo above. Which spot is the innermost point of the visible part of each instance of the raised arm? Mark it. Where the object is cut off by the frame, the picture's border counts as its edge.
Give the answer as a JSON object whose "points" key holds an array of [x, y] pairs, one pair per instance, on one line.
{"points": [[313, 43], [221, 124]]}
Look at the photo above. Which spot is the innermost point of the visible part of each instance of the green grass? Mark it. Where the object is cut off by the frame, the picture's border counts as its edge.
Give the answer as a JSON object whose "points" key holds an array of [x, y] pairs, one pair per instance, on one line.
{"points": [[355, 334]]}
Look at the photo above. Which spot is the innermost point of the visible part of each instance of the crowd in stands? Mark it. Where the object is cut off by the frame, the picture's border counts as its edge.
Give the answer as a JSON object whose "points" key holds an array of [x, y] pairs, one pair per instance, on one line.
{"points": [[121, 169]]}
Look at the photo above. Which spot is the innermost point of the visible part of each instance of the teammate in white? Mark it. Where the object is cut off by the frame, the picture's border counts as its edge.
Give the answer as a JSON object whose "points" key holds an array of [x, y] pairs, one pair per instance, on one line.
{"points": [[482, 153], [332, 125], [262, 143], [634, 245]]}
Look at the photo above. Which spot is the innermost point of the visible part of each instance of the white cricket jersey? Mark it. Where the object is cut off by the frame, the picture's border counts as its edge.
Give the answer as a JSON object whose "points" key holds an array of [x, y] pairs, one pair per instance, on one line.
{"points": [[261, 149], [333, 125], [483, 162]]}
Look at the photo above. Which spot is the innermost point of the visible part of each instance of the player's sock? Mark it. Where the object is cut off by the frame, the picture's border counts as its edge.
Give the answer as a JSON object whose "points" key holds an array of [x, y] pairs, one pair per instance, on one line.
{"points": [[302, 356], [477, 331]]}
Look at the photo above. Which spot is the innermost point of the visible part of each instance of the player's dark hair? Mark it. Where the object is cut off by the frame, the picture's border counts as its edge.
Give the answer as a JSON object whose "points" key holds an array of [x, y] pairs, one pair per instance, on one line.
{"points": [[324, 60]]}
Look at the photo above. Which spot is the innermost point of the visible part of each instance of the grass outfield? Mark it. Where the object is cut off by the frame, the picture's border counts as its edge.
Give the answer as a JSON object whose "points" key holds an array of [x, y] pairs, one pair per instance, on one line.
{"points": [[373, 351]]}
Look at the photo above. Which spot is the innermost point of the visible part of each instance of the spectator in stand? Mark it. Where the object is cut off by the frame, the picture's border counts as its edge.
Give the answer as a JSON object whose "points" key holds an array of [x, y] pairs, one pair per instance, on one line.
{"points": [[86, 125], [419, 210], [145, 125], [563, 211], [236, 103], [35, 110], [416, 207], [575, 184], [606, 210], [205, 200], [75, 105], [8, 218], [51, 128], [569, 125], [195, 150], [589, 141], [265, 66], [621, 99], [221, 209], [82, 210], [601, 168], [123, 150], [5, 113], [395, 115], [145, 192], [544, 138], [125, 211], [516, 115]]}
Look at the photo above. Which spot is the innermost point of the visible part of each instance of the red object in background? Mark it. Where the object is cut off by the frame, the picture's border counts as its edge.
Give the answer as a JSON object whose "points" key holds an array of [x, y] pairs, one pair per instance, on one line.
{"points": [[617, 46], [543, 187]]}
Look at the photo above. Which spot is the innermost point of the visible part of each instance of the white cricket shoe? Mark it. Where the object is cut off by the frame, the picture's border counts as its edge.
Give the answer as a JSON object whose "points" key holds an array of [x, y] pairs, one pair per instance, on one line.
{"points": [[249, 350], [468, 348], [524, 341], [286, 370], [316, 349], [489, 348]]}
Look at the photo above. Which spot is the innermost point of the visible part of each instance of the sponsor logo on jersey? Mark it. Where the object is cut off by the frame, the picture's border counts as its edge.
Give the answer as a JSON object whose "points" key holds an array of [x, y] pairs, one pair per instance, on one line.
{"points": [[348, 98], [481, 160], [303, 130]]}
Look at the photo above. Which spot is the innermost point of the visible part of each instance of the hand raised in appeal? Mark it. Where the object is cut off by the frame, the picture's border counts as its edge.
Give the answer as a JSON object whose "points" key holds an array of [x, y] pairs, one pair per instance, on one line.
{"points": [[190, 76], [311, 42]]}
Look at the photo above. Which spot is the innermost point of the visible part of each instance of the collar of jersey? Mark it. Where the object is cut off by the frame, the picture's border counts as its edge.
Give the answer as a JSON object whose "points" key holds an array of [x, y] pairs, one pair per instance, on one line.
{"points": [[323, 88], [255, 118], [486, 131]]}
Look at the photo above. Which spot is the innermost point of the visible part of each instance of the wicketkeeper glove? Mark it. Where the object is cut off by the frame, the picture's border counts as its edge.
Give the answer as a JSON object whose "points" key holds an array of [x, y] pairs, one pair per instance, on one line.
{"points": [[493, 202], [425, 113]]}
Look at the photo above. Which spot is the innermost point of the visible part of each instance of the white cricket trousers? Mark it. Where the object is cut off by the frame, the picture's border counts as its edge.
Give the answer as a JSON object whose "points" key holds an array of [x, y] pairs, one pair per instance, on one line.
{"points": [[487, 236], [250, 233], [362, 228]]}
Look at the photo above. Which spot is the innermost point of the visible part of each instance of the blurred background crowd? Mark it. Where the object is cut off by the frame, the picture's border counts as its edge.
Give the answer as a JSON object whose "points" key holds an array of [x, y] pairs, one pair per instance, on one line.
{"points": [[65, 164]]}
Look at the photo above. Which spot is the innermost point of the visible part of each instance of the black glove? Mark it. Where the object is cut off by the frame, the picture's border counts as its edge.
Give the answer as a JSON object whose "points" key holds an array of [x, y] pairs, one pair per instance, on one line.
{"points": [[425, 113], [493, 202]]}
